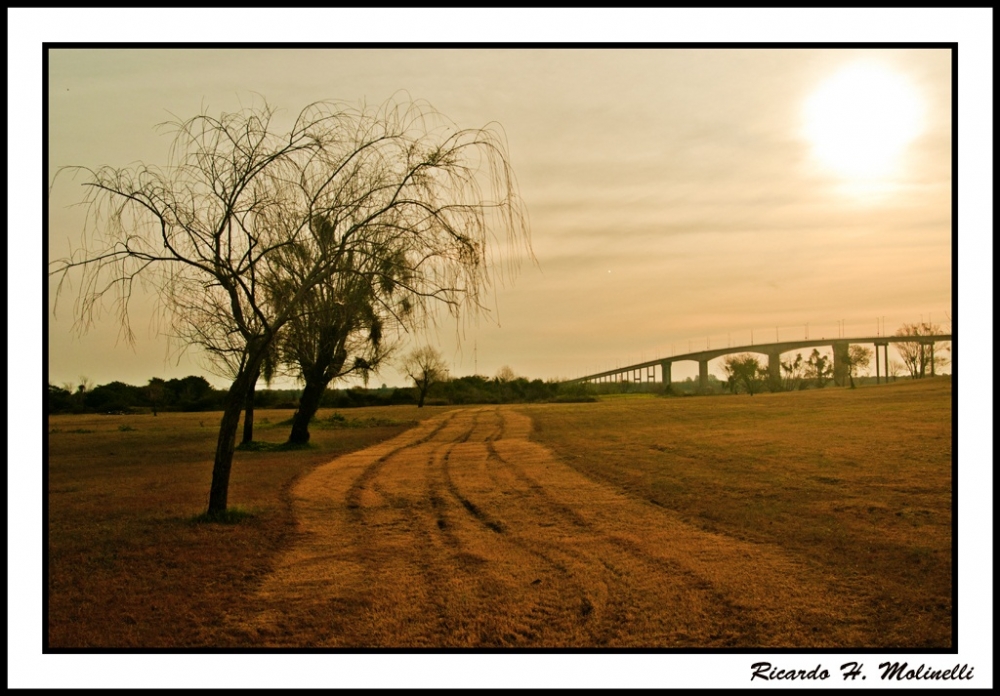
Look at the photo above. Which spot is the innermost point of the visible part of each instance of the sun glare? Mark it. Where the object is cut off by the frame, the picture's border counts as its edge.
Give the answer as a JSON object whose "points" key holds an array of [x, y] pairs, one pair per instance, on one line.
{"points": [[860, 121]]}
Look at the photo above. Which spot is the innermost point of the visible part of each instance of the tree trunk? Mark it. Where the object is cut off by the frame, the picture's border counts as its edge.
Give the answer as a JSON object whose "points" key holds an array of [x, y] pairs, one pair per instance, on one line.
{"points": [[218, 496], [248, 410], [308, 405], [330, 364]]}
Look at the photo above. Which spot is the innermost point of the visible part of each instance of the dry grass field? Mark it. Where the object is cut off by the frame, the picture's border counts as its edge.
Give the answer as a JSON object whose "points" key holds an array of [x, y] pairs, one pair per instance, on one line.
{"points": [[814, 519], [854, 486], [128, 565]]}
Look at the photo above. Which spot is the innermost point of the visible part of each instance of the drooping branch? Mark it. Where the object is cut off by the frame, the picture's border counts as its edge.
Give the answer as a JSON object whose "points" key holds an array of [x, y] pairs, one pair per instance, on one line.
{"points": [[383, 214]]}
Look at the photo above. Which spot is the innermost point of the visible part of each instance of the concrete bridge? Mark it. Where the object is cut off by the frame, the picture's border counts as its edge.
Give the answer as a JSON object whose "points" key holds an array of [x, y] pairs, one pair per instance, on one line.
{"points": [[773, 351]]}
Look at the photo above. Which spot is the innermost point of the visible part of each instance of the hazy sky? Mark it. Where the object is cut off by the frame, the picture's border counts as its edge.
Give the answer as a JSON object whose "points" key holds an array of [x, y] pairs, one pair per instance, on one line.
{"points": [[678, 198]]}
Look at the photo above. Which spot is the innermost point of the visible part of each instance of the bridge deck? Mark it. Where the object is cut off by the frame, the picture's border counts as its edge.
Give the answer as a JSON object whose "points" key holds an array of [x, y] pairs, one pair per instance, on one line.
{"points": [[766, 349]]}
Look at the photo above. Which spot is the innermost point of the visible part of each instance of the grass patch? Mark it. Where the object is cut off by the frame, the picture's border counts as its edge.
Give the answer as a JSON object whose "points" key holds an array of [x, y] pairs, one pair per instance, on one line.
{"points": [[126, 428], [231, 515], [338, 420]]}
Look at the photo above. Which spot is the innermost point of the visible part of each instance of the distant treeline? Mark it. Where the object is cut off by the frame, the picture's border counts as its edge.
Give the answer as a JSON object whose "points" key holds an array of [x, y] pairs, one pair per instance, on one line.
{"points": [[197, 394]]}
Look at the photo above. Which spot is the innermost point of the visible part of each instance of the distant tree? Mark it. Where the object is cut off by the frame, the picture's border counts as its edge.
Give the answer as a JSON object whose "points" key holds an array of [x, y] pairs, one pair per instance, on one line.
{"points": [[793, 373], [426, 367], [745, 373], [155, 392], [113, 397], [819, 368], [858, 358], [191, 393], [470, 389], [917, 354], [58, 399], [505, 375], [894, 369], [538, 390]]}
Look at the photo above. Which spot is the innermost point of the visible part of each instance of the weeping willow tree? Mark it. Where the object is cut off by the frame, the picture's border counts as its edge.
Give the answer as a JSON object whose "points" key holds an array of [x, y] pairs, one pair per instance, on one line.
{"points": [[213, 230], [346, 326]]}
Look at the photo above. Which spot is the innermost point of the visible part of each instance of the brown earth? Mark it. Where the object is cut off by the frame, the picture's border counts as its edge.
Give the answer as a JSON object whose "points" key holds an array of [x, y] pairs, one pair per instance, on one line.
{"points": [[462, 533]]}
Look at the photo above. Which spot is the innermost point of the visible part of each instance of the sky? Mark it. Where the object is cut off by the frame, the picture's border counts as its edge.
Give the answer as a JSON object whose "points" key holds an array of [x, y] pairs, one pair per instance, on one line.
{"points": [[674, 198], [678, 198]]}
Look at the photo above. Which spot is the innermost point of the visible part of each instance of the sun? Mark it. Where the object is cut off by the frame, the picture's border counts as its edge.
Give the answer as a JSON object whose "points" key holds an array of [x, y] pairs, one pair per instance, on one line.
{"points": [[860, 121]]}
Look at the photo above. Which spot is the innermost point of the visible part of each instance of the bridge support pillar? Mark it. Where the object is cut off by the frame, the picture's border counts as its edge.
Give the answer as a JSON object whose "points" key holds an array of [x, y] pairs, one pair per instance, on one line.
{"points": [[774, 370], [665, 372], [841, 357], [877, 366], [703, 376]]}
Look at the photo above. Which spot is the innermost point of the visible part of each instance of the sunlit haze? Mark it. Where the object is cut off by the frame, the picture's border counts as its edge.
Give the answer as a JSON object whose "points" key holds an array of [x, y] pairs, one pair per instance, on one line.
{"points": [[861, 120], [678, 198]]}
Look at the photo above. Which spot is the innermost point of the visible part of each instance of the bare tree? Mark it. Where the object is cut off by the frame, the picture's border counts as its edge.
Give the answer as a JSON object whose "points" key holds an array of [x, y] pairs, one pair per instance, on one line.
{"points": [[211, 231], [426, 367], [921, 356], [894, 369], [505, 375]]}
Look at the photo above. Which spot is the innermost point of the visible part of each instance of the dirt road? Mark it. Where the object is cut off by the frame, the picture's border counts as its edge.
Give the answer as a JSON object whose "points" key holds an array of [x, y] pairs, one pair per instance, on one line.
{"points": [[464, 533]]}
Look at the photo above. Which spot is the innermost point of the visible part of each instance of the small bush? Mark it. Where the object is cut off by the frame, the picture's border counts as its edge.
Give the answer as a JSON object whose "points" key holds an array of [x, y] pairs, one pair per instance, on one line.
{"points": [[576, 392]]}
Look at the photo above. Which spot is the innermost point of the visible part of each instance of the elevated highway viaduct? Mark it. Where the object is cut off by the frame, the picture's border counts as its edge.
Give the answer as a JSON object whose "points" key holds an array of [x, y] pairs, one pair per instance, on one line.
{"points": [[773, 351]]}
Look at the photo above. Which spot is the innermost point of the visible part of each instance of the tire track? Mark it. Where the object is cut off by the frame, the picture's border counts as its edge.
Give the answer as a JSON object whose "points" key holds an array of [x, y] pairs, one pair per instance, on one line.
{"points": [[609, 596], [614, 554], [595, 605], [402, 563], [768, 595], [487, 576], [462, 532]]}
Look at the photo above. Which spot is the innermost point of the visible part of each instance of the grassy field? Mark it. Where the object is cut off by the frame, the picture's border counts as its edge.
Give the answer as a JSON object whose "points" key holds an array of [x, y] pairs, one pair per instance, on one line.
{"points": [[128, 564], [850, 489], [857, 483]]}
